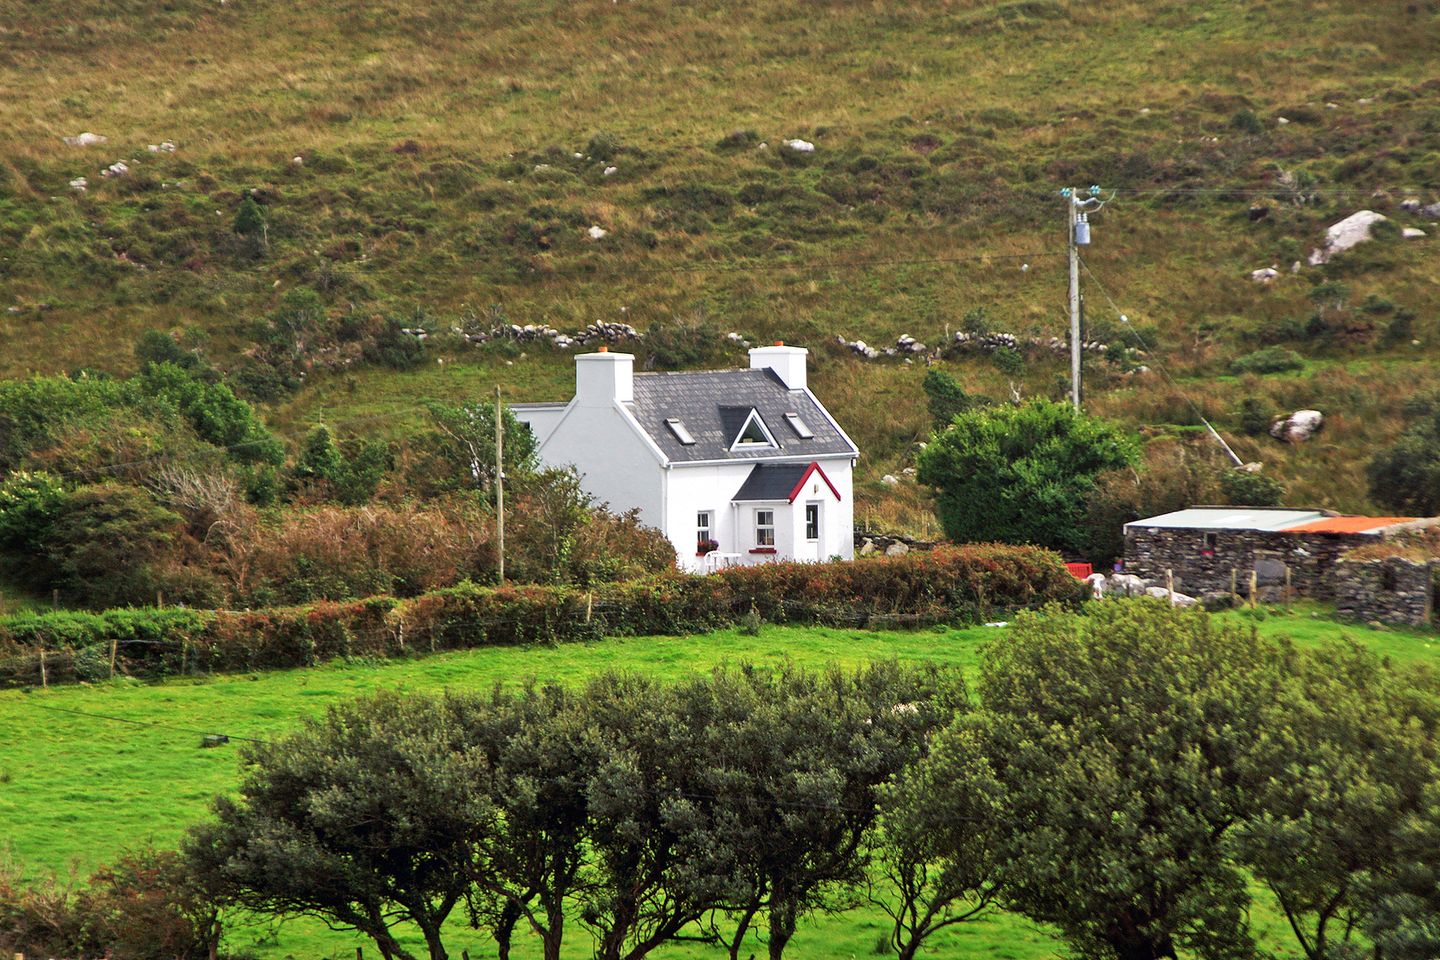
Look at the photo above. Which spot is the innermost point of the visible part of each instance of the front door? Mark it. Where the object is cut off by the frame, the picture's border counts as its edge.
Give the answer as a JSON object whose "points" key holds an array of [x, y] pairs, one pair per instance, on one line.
{"points": [[814, 548]]}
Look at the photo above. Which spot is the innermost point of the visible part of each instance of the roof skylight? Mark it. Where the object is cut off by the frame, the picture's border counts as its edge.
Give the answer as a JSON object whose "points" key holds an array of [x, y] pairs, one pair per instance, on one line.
{"points": [[798, 425], [677, 427]]}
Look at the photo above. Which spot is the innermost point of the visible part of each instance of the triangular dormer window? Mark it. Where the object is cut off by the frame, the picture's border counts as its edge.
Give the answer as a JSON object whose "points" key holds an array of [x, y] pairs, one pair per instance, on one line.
{"points": [[754, 435]]}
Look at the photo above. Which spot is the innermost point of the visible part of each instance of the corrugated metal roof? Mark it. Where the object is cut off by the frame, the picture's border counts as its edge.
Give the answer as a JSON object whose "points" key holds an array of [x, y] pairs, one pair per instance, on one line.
{"points": [[1231, 518], [1350, 524]]}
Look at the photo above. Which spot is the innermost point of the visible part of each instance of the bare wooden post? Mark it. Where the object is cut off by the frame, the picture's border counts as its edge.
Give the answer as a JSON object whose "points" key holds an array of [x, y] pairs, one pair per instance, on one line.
{"points": [[1234, 587], [1289, 597], [359, 953], [44, 676], [589, 606], [54, 602], [1170, 585], [159, 598], [184, 655], [1254, 581], [114, 649]]}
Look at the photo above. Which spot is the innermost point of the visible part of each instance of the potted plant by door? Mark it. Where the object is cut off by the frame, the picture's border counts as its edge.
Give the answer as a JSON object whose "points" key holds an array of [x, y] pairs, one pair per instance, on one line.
{"points": [[706, 546]]}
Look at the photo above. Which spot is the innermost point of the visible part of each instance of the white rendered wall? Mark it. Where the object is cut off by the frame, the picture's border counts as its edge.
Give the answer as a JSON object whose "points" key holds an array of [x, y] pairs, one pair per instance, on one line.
{"points": [[616, 465], [541, 418], [710, 487]]}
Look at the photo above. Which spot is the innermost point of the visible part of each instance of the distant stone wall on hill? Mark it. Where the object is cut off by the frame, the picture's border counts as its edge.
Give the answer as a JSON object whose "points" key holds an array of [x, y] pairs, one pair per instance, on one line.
{"points": [[1392, 590]]}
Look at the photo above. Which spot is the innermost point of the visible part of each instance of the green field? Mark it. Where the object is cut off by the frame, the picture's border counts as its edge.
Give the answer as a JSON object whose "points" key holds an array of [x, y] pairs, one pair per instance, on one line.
{"points": [[76, 790]]}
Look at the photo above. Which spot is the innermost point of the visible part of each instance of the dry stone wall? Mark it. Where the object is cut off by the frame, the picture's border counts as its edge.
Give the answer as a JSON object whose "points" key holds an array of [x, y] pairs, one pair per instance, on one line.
{"points": [[1202, 560], [1393, 590]]}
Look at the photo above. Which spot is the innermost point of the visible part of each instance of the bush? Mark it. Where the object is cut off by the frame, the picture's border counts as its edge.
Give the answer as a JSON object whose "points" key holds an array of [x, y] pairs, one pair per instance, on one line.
{"points": [[1245, 489], [949, 584], [1269, 360], [394, 348], [1255, 417], [107, 544]]}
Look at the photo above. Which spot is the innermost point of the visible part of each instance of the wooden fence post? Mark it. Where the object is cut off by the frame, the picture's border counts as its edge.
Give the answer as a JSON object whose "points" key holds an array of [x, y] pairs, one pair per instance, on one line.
{"points": [[589, 606], [1289, 597], [44, 677], [1254, 580], [114, 649], [1234, 587], [1170, 585]]}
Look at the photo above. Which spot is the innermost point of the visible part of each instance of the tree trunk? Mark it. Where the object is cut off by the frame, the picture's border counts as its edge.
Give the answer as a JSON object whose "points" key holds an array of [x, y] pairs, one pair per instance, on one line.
{"points": [[554, 932], [782, 927], [504, 932], [741, 929]]}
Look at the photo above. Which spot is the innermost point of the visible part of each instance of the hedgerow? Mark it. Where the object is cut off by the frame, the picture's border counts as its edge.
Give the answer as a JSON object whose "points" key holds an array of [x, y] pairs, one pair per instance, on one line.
{"points": [[947, 585]]}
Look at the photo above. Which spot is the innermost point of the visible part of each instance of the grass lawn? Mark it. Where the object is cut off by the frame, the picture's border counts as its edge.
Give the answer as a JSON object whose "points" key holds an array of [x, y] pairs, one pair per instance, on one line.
{"points": [[75, 790]]}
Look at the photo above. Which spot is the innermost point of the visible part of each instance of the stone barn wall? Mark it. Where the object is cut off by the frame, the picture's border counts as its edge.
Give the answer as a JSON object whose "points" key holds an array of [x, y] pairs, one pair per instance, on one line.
{"points": [[1203, 559], [1393, 590]]}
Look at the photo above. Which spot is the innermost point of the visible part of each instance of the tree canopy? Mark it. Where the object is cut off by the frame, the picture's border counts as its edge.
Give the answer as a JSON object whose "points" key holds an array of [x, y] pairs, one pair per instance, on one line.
{"points": [[1021, 474]]}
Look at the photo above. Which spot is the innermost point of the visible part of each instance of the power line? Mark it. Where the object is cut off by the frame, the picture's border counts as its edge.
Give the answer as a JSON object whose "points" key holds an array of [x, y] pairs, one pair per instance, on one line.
{"points": [[1150, 354], [147, 723]]}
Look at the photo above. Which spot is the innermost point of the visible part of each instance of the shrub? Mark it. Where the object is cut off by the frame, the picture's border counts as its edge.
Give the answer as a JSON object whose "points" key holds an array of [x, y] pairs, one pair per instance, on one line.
{"points": [[393, 347], [1243, 488], [107, 544], [1268, 360], [1255, 417], [949, 584], [946, 398]]}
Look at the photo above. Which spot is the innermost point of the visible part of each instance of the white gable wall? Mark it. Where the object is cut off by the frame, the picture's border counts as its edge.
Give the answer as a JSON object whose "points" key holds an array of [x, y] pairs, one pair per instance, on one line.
{"points": [[617, 464]]}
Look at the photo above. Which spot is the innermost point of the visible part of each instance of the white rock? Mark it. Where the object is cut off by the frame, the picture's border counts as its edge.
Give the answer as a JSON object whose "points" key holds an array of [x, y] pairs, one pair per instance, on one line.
{"points": [[596, 232], [297, 161], [896, 549], [1298, 427], [79, 184], [800, 146], [1281, 120], [1181, 600], [1350, 232], [1296, 266], [1264, 275], [85, 139], [153, 147], [1126, 584], [610, 171], [1410, 204], [117, 169], [1412, 233], [890, 480]]}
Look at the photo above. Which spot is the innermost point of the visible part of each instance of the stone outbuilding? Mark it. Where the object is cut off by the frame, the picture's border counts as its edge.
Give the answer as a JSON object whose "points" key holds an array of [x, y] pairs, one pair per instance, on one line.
{"points": [[1209, 549]]}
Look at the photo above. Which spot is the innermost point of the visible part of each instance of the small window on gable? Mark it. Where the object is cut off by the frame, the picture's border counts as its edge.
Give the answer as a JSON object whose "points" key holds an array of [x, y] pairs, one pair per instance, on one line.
{"points": [[798, 425], [677, 427], [753, 434]]}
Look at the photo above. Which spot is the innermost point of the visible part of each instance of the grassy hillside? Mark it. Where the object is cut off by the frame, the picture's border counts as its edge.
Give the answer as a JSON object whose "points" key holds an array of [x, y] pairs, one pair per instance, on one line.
{"points": [[78, 788], [438, 179]]}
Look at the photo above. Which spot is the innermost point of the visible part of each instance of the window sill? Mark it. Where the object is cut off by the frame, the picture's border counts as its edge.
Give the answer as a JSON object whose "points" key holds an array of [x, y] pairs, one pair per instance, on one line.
{"points": [[763, 550]]}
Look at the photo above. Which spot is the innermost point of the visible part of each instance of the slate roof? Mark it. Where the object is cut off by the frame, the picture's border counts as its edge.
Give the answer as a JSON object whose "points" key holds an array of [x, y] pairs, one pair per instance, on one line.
{"points": [[771, 481], [713, 405]]}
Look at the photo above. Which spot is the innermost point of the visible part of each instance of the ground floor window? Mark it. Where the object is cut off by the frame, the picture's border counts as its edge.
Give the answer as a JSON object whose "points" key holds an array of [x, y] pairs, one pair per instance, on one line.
{"points": [[705, 531], [812, 521], [764, 528]]}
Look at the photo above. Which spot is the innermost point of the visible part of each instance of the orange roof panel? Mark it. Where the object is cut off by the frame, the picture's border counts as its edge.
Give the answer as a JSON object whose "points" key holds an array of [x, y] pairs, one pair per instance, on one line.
{"points": [[1348, 524]]}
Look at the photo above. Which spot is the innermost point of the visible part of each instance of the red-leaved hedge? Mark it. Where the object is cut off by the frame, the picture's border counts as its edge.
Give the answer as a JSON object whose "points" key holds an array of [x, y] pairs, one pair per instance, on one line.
{"points": [[950, 584]]}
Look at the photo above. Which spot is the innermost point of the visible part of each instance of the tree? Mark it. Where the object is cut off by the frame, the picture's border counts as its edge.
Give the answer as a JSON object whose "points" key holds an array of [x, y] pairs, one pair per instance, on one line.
{"points": [[1359, 738], [1110, 755], [947, 398], [1406, 475], [367, 818], [1403, 919], [463, 440], [1021, 474], [349, 473], [1245, 489], [1175, 474], [107, 541]]}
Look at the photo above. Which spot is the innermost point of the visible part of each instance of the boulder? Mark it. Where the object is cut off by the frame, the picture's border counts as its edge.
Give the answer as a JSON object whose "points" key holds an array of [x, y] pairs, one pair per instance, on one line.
{"points": [[1412, 233], [1350, 232], [79, 184], [1214, 600], [1126, 585], [867, 548], [1180, 599], [85, 139], [596, 232], [890, 480], [1430, 211], [1264, 274], [610, 171], [1298, 427], [800, 146], [896, 549]]}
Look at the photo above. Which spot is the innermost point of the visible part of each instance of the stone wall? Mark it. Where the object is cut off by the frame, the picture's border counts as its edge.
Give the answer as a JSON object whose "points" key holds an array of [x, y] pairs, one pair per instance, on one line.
{"points": [[1202, 560], [1393, 590], [890, 544]]}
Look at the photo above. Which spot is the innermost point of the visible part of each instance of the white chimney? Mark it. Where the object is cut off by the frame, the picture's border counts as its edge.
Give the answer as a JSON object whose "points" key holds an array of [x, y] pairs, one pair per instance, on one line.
{"points": [[604, 377], [787, 362]]}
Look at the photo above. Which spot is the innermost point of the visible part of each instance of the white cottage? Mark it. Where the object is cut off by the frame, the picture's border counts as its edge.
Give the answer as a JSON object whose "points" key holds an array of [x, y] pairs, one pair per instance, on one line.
{"points": [[734, 466]]}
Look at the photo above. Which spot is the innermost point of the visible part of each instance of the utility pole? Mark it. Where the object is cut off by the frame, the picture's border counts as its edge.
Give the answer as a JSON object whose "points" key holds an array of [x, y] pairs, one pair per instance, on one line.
{"points": [[500, 484], [1072, 218], [1077, 220]]}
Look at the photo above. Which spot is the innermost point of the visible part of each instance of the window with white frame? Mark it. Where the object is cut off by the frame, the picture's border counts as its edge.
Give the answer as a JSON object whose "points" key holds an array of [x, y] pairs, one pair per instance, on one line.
{"points": [[812, 521], [764, 528], [704, 530]]}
